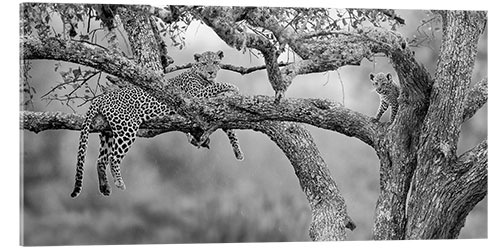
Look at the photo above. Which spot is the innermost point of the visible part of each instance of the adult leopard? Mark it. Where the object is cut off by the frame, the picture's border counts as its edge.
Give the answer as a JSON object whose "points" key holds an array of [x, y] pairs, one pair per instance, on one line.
{"points": [[125, 109]]}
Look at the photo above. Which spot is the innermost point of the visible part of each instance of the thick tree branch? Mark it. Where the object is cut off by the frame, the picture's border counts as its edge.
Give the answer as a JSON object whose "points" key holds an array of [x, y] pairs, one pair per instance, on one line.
{"points": [[41, 121], [329, 216], [229, 111], [472, 185], [89, 55], [321, 113], [477, 96], [461, 188]]}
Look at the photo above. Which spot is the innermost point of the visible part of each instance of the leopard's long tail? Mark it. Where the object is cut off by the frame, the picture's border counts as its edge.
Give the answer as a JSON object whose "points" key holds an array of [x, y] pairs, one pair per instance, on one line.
{"points": [[235, 144], [82, 148]]}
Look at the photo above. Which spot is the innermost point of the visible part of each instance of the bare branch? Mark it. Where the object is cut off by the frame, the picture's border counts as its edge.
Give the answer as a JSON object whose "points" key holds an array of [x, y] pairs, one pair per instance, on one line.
{"points": [[392, 14], [41, 121], [88, 55], [476, 98]]}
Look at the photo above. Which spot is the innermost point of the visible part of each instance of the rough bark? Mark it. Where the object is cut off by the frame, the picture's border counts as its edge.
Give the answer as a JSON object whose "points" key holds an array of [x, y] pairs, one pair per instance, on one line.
{"points": [[329, 216], [433, 208]]}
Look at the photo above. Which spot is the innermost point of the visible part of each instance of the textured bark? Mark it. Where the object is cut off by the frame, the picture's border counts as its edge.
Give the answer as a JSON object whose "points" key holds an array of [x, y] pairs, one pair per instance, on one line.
{"points": [[143, 41], [397, 146], [476, 98], [41, 121], [329, 216], [433, 208]]}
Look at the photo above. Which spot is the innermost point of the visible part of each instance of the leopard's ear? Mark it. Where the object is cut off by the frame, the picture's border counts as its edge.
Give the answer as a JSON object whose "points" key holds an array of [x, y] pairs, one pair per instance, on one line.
{"points": [[197, 57], [220, 54], [389, 76], [372, 76]]}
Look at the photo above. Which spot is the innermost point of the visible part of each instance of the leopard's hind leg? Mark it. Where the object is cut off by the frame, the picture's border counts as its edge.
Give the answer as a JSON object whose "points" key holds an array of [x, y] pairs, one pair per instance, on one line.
{"points": [[123, 136], [106, 138], [82, 148]]}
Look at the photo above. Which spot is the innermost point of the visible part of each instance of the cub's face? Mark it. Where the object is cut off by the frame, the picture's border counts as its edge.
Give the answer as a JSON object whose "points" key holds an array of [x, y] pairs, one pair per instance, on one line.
{"points": [[207, 64], [381, 81]]}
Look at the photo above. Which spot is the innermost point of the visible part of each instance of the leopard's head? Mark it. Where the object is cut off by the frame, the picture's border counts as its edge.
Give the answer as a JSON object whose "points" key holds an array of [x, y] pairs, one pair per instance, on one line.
{"points": [[381, 81], [207, 64]]}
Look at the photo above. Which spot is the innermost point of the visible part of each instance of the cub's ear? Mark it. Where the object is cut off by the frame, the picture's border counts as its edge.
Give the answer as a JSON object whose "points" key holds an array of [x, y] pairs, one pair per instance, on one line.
{"points": [[389, 76], [372, 76], [197, 57], [220, 54]]}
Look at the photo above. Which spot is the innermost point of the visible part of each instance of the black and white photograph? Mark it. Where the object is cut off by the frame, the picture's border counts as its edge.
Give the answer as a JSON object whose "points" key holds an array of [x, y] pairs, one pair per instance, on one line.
{"points": [[160, 123]]}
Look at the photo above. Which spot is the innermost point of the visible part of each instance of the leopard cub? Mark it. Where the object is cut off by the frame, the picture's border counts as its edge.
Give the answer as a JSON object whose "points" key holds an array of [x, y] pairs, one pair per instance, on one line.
{"points": [[388, 92]]}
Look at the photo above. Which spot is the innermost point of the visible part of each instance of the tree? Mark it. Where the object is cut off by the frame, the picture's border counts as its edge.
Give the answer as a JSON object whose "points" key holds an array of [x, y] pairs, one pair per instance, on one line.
{"points": [[426, 189]]}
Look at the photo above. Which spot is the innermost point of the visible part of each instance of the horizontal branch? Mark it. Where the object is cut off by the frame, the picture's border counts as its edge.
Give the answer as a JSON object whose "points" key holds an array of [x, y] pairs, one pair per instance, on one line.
{"points": [[231, 111], [236, 112], [238, 69], [41, 121]]}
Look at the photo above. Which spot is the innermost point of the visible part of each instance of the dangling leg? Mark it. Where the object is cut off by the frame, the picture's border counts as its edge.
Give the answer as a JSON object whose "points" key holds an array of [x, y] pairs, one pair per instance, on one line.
{"points": [[233, 139], [122, 140], [103, 160]]}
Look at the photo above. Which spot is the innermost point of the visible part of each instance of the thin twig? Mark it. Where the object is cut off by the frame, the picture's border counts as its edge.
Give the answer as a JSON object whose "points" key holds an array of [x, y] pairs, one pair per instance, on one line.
{"points": [[341, 84]]}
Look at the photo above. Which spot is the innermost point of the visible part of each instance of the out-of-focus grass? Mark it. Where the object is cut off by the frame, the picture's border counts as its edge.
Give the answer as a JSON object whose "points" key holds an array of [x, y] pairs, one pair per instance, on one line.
{"points": [[186, 205]]}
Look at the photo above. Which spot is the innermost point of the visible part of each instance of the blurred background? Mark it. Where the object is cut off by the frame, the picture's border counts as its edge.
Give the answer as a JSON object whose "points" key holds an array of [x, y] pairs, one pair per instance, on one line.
{"points": [[177, 193]]}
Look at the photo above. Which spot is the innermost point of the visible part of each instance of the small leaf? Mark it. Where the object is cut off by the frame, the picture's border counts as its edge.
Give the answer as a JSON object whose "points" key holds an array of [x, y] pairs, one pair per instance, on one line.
{"points": [[77, 72], [85, 37]]}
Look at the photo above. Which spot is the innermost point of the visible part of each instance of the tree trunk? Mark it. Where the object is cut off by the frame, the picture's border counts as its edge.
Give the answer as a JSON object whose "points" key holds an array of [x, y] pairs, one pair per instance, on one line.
{"points": [[419, 148]]}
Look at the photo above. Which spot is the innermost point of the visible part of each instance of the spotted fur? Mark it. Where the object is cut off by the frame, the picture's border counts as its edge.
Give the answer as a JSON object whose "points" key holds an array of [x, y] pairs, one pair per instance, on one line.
{"points": [[127, 108], [388, 92]]}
